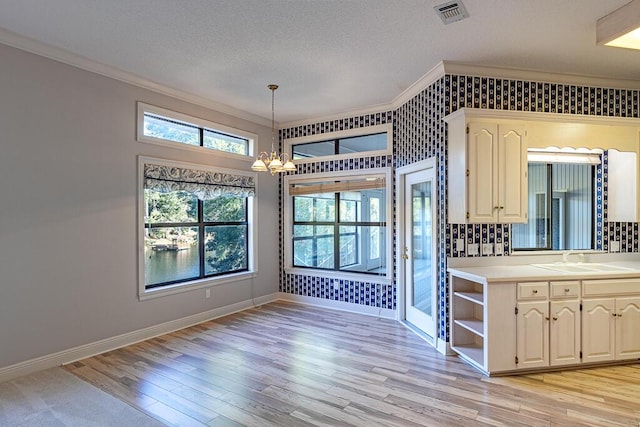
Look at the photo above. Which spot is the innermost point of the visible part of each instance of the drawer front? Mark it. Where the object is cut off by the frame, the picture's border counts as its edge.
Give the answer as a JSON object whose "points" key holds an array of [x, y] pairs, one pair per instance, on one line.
{"points": [[567, 289], [610, 287], [533, 290]]}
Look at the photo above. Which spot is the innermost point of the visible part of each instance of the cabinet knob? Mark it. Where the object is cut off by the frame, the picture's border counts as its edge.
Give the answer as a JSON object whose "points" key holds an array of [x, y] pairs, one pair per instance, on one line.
{"points": [[546, 318], [566, 289], [555, 318], [495, 208], [535, 291], [614, 314]]}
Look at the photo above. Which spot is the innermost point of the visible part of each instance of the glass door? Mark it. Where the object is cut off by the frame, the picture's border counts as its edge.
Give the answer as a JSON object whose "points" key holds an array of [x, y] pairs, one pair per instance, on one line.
{"points": [[419, 254]]}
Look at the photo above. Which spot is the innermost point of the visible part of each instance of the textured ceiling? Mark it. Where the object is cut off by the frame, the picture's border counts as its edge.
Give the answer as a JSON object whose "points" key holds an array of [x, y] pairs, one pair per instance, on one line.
{"points": [[328, 56]]}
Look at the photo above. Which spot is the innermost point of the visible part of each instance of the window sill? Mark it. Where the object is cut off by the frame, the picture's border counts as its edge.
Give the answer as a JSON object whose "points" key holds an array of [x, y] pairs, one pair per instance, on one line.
{"points": [[340, 275], [178, 288]]}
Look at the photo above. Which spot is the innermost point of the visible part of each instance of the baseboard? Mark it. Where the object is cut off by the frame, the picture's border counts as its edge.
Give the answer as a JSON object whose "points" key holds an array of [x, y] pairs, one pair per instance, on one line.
{"points": [[385, 313], [81, 352]]}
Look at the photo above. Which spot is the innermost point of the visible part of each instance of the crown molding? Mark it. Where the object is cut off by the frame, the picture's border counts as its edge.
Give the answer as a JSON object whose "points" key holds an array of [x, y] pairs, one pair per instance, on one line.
{"points": [[429, 78], [64, 56]]}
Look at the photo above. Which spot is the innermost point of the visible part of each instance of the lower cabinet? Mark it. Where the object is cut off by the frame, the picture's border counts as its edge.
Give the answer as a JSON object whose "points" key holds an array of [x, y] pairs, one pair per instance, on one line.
{"points": [[611, 329], [548, 332]]}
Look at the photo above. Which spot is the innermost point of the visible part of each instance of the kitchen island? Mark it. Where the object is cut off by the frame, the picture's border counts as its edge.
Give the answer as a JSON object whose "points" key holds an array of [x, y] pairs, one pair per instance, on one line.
{"points": [[521, 314]]}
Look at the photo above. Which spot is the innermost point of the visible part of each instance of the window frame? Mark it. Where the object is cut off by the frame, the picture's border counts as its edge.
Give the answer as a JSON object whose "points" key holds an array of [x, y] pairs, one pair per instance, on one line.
{"points": [[145, 293], [143, 108], [288, 223], [386, 128]]}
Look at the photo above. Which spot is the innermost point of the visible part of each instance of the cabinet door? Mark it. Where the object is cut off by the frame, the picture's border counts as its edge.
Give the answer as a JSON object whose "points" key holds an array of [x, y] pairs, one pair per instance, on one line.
{"points": [[628, 328], [483, 172], [532, 332], [598, 330], [564, 333], [512, 174]]}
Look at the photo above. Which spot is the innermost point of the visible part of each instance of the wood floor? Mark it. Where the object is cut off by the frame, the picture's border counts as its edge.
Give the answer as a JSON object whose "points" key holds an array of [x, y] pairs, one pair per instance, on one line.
{"points": [[286, 364]]}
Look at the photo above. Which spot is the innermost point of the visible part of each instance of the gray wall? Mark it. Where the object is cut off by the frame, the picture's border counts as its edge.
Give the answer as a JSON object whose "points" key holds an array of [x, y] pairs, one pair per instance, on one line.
{"points": [[68, 224]]}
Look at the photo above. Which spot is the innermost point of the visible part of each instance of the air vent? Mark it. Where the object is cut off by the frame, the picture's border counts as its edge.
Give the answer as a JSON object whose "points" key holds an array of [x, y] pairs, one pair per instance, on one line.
{"points": [[452, 11]]}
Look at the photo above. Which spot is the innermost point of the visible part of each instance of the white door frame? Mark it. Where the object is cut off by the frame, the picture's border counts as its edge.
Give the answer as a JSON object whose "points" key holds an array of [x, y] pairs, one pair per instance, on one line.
{"points": [[400, 191]]}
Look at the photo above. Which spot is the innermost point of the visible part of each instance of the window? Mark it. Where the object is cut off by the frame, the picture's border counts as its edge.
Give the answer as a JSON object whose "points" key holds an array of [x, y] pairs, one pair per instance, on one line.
{"points": [[339, 223], [196, 222], [370, 141], [157, 125], [561, 206]]}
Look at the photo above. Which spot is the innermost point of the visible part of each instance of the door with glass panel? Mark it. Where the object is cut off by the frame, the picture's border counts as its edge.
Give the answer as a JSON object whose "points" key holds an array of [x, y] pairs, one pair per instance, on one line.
{"points": [[419, 252]]}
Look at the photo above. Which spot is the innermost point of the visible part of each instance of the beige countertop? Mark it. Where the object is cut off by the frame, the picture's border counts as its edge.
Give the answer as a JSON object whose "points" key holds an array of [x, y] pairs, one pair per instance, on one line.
{"points": [[619, 269]]}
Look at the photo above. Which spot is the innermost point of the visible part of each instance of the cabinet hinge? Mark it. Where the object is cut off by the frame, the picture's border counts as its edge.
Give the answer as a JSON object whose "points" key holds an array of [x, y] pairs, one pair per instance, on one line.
{"points": [[580, 310], [580, 355], [467, 130], [516, 360], [467, 215], [516, 310], [467, 172]]}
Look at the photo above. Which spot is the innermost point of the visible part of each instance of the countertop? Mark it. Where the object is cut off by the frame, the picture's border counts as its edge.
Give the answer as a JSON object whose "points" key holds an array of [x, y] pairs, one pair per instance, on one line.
{"points": [[531, 272]]}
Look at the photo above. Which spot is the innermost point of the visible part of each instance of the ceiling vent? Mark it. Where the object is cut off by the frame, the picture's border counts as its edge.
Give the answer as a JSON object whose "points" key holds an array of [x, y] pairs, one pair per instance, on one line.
{"points": [[452, 11]]}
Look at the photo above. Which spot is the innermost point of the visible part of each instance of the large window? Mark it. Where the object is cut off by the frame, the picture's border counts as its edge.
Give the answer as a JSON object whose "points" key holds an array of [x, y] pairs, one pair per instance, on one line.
{"points": [[561, 206], [158, 125], [339, 224], [197, 224]]}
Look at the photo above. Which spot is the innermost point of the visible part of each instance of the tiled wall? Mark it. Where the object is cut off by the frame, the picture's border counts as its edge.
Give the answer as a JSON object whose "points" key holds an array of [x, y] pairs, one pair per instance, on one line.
{"points": [[420, 133]]}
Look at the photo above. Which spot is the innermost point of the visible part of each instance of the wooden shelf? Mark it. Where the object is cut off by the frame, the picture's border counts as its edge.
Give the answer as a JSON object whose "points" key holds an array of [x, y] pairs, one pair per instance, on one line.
{"points": [[474, 325], [476, 297], [474, 353]]}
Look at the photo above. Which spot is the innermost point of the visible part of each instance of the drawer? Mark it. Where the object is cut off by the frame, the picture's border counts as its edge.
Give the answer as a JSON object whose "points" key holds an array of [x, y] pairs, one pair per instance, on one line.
{"points": [[533, 290], [566, 289], [610, 287]]}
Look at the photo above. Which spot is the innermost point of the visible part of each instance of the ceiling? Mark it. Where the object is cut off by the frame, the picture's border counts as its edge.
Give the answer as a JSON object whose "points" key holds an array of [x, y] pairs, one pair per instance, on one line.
{"points": [[328, 56]]}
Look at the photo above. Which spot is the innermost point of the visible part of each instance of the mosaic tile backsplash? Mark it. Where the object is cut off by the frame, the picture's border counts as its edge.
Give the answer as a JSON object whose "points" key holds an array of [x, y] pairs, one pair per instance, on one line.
{"points": [[420, 133]]}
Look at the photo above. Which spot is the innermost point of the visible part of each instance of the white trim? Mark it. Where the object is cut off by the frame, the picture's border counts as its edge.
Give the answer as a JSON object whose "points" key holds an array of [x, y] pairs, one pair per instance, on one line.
{"points": [[364, 111], [287, 222], [384, 313], [64, 56], [444, 347], [362, 131], [252, 230], [143, 108], [419, 85], [88, 350]]}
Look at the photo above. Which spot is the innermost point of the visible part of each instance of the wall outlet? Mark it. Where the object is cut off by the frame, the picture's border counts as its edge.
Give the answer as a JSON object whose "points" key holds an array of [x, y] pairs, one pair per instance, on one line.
{"points": [[487, 249], [472, 249], [614, 246], [207, 293], [499, 248], [459, 245]]}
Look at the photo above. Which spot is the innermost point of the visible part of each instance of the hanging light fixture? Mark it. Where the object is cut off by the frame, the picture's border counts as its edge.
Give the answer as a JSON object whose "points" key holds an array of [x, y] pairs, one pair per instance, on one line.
{"points": [[273, 162]]}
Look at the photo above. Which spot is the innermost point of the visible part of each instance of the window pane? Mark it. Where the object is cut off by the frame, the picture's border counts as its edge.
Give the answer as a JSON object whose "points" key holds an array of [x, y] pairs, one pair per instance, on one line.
{"points": [[313, 149], [348, 246], [325, 209], [225, 249], [315, 251], [350, 207], [324, 252], [228, 143], [160, 127], [303, 254], [303, 209], [225, 209], [171, 254], [177, 206], [302, 230], [359, 144], [374, 209]]}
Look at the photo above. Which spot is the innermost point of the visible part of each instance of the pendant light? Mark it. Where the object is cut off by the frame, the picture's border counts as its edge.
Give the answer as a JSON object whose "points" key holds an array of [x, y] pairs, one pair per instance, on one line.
{"points": [[273, 162]]}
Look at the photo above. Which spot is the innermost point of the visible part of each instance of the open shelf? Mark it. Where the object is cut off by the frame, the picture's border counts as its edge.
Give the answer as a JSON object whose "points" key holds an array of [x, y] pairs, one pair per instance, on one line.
{"points": [[476, 297], [472, 352], [474, 325]]}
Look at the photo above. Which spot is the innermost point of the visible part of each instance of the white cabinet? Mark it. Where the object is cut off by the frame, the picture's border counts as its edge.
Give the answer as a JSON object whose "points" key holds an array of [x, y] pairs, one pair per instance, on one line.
{"points": [[610, 319], [548, 331], [487, 170]]}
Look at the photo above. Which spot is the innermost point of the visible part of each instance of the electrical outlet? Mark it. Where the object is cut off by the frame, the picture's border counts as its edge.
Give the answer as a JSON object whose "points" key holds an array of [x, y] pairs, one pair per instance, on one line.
{"points": [[487, 249], [207, 293], [614, 246], [499, 248], [472, 249], [459, 245]]}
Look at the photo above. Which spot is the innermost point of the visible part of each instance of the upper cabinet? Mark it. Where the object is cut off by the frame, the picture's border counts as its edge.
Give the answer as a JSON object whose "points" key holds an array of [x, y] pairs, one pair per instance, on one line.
{"points": [[487, 170]]}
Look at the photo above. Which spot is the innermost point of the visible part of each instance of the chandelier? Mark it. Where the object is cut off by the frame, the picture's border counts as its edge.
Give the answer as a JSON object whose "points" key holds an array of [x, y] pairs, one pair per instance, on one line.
{"points": [[273, 162]]}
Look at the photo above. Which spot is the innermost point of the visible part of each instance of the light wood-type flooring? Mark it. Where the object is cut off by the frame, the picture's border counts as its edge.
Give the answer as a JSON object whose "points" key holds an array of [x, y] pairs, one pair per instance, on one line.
{"points": [[287, 364]]}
